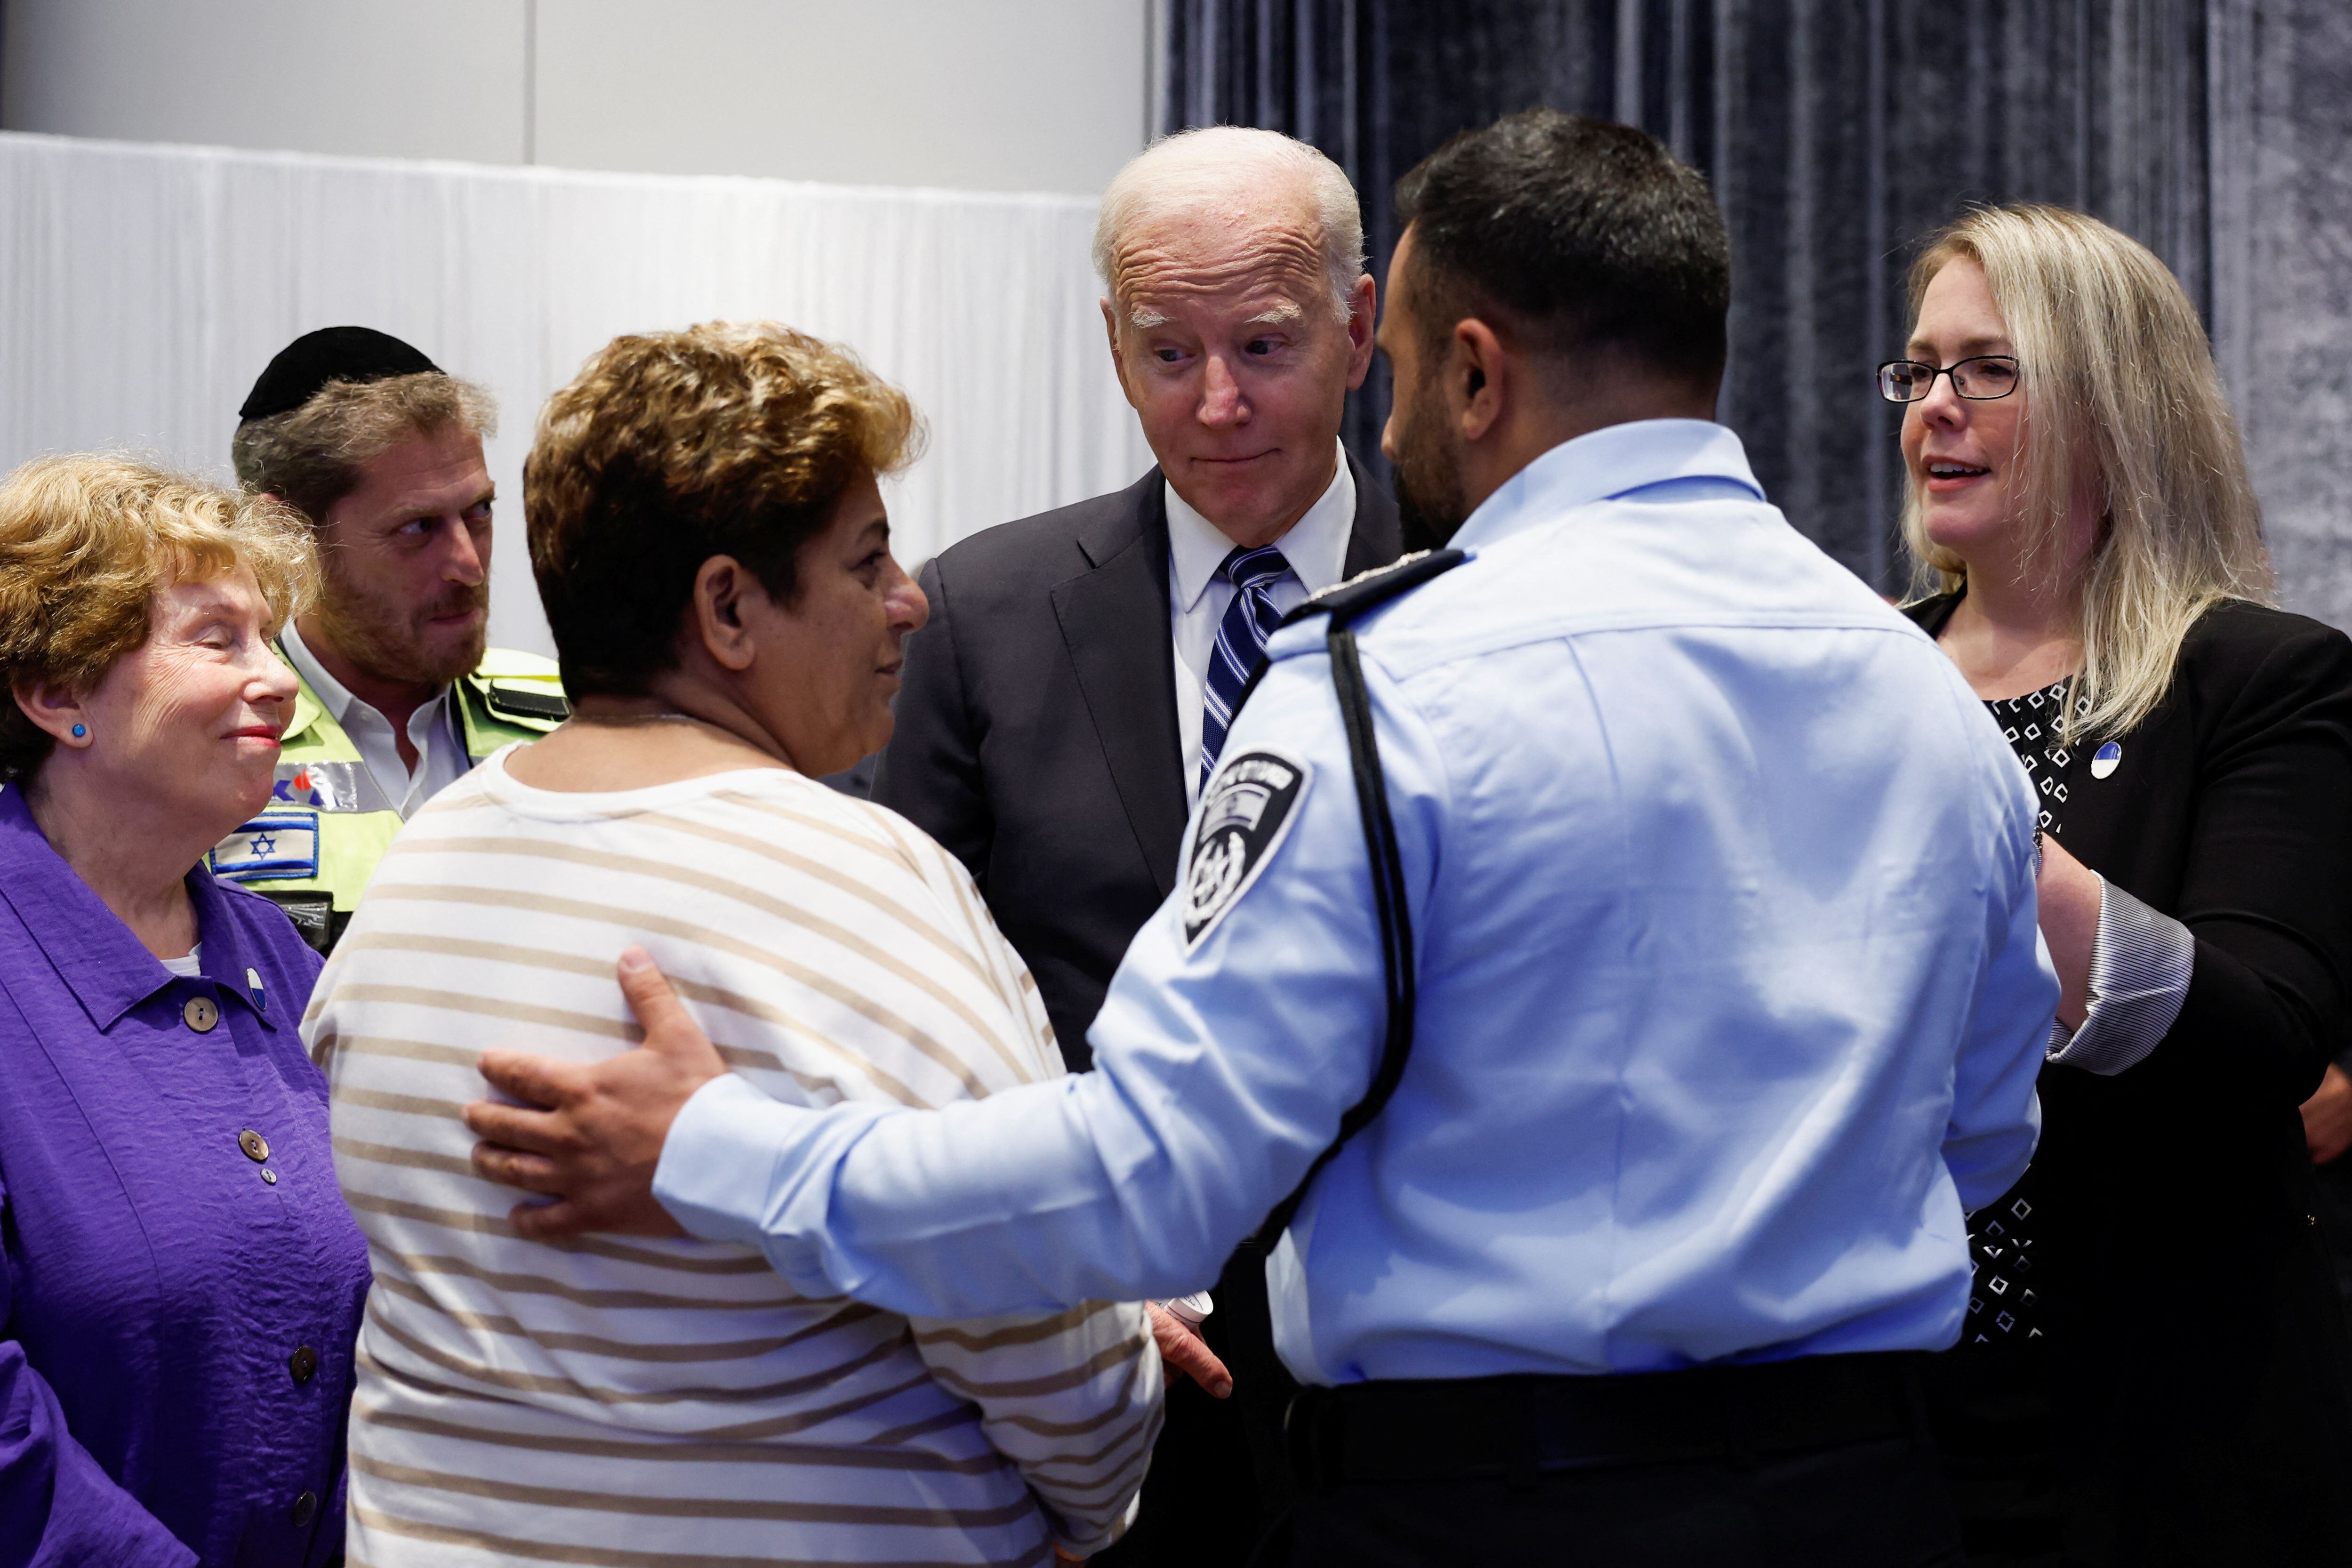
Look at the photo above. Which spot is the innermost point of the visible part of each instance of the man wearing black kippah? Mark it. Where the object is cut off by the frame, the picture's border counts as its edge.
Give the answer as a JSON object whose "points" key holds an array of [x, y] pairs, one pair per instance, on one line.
{"points": [[381, 451]]}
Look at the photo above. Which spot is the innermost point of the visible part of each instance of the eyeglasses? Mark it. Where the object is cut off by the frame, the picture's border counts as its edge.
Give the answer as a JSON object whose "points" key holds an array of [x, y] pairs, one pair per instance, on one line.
{"points": [[1981, 379]]}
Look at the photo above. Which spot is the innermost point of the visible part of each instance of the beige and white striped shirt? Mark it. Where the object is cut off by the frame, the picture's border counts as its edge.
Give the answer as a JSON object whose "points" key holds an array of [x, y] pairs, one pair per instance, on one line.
{"points": [[654, 1404]]}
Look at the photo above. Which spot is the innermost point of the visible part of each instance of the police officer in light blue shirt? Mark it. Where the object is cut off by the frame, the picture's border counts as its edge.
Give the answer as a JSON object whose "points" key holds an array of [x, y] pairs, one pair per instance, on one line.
{"points": [[1713, 998]]}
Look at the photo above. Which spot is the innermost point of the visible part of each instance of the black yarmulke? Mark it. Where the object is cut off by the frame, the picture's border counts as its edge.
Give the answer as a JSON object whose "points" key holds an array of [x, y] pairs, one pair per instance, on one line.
{"points": [[330, 354]]}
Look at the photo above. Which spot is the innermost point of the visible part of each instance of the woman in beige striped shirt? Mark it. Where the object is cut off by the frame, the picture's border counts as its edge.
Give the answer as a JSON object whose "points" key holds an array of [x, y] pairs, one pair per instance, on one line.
{"points": [[713, 554]]}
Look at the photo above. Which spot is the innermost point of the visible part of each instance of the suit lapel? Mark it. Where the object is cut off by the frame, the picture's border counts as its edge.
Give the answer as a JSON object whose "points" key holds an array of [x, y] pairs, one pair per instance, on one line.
{"points": [[1378, 537], [1114, 621]]}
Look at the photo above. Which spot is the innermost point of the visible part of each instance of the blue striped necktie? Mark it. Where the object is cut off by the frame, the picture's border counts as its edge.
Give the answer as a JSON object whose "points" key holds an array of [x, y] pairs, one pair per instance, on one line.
{"points": [[1249, 620]]}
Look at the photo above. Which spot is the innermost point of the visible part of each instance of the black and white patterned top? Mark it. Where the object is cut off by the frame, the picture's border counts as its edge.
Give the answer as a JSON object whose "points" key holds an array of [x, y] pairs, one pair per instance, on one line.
{"points": [[2141, 967], [2030, 724], [2004, 1302]]}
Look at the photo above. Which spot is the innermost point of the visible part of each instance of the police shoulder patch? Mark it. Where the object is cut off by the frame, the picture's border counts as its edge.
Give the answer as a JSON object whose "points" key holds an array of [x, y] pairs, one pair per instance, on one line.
{"points": [[1247, 808]]}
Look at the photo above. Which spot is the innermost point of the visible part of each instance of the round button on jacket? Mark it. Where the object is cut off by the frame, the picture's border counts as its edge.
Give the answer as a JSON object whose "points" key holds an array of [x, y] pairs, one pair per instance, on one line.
{"points": [[255, 1147], [200, 1014], [303, 1364], [305, 1510]]}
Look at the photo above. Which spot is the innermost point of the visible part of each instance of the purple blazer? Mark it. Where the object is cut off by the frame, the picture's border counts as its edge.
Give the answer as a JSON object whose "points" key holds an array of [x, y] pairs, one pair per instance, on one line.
{"points": [[180, 1283]]}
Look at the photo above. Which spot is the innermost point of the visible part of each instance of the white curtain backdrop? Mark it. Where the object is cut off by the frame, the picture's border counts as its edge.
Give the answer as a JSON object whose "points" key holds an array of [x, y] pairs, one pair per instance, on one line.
{"points": [[142, 288]]}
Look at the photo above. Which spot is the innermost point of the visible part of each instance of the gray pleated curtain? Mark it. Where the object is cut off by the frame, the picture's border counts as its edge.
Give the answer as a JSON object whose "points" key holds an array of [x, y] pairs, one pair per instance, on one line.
{"points": [[1836, 133]]}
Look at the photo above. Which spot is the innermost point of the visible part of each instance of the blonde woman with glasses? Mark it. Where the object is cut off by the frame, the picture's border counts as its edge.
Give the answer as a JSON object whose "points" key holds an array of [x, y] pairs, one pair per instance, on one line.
{"points": [[2153, 1367]]}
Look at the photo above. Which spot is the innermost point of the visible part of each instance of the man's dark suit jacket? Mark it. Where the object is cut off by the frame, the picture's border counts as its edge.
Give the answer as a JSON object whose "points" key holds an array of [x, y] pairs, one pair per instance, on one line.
{"points": [[2196, 1347], [1036, 739], [1037, 733]]}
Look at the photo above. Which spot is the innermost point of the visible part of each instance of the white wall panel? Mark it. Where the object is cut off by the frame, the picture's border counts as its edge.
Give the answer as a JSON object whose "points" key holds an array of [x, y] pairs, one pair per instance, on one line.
{"points": [[1028, 95], [1045, 95], [142, 288], [406, 79]]}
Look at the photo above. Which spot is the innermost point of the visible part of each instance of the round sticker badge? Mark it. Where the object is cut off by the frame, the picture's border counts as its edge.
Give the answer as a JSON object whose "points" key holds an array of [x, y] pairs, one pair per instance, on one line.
{"points": [[2106, 759]]}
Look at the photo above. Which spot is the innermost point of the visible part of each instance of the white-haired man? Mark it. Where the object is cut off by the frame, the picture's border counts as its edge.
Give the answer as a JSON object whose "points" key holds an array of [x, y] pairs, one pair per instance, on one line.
{"points": [[1072, 688]]}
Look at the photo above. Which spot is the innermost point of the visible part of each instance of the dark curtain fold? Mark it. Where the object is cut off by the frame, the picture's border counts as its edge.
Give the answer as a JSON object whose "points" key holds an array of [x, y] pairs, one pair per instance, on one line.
{"points": [[1836, 133]]}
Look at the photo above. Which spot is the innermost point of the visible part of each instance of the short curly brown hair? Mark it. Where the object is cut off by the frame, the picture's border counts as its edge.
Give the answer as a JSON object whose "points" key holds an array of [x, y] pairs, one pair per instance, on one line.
{"points": [[86, 543], [668, 448]]}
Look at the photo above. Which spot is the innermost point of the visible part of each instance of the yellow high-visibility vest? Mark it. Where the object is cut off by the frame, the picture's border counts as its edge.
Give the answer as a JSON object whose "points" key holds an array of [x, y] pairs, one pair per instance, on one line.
{"points": [[314, 847]]}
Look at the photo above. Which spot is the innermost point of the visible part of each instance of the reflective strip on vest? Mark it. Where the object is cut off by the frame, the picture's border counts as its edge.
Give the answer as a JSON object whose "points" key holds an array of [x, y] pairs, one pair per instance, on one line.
{"points": [[324, 785], [328, 822]]}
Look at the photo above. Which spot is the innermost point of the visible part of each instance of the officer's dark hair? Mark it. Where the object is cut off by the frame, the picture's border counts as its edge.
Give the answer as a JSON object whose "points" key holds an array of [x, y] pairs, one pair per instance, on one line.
{"points": [[668, 448], [1584, 236]]}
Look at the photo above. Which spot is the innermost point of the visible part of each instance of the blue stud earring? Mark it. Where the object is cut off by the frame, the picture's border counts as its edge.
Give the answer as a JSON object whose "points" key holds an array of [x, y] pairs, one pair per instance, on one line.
{"points": [[80, 731]]}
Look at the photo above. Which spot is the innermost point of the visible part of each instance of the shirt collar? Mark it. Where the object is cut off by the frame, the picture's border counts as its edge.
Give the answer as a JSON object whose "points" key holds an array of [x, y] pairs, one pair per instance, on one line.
{"points": [[109, 971], [1605, 464], [1315, 545], [333, 696]]}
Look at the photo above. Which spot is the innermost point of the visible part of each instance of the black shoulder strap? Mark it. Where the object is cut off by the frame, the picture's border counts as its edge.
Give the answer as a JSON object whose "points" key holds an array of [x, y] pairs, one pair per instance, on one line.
{"points": [[1344, 604]]}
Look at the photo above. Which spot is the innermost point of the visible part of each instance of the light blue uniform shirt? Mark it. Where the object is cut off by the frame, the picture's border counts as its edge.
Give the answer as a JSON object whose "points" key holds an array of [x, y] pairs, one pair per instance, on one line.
{"points": [[1731, 997]]}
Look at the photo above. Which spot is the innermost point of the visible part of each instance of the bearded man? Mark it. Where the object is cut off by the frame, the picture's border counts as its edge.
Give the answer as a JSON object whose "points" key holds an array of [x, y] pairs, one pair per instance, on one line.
{"points": [[381, 450]]}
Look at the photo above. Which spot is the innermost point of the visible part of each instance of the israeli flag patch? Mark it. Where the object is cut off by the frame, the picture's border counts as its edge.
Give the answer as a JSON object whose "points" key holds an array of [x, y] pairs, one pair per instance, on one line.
{"points": [[1245, 813], [277, 846]]}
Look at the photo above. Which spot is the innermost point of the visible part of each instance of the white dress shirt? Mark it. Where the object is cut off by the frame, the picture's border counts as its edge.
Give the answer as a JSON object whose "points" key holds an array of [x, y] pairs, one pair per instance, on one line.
{"points": [[441, 758], [1731, 997], [1317, 548]]}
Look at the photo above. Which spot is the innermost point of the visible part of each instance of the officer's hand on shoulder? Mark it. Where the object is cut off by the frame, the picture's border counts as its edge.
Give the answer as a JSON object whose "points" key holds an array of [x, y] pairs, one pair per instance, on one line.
{"points": [[590, 1135]]}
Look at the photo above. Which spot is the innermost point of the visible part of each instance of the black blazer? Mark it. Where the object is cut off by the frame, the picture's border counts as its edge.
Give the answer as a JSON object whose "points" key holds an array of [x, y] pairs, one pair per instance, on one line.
{"points": [[2197, 1337], [1037, 733]]}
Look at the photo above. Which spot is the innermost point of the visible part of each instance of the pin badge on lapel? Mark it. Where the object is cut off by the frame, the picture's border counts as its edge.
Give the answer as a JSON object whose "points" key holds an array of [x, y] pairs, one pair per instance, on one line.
{"points": [[253, 983], [2106, 759]]}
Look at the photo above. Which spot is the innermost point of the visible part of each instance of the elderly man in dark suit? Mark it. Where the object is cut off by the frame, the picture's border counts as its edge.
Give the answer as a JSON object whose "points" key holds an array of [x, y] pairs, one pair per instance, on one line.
{"points": [[1060, 711]]}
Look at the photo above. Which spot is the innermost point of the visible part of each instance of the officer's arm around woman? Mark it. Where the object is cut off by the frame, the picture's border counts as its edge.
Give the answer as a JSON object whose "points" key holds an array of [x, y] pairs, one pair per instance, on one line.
{"points": [[179, 1281], [2153, 1368]]}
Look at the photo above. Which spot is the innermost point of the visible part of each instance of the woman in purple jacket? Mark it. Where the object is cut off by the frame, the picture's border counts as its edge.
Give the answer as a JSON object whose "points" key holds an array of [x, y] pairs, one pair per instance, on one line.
{"points": [[180, 1283]]}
